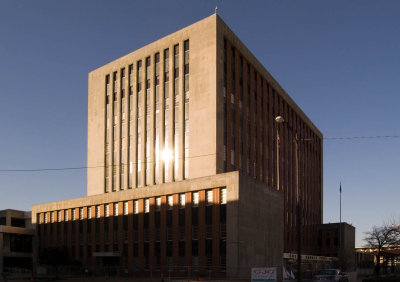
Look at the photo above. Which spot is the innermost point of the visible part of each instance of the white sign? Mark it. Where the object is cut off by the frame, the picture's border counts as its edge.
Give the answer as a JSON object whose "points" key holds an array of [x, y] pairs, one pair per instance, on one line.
{"points": [[263, 274]]}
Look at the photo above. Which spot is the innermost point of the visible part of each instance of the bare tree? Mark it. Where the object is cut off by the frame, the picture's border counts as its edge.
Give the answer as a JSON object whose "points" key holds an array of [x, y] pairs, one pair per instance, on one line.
{"points": [[381, 238]]}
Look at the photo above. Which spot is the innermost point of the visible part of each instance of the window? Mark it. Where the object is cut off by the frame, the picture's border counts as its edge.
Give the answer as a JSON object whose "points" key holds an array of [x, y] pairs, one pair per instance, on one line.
{"points": [[73, 214], [146, 205], [51, 217], [80, 213], [45, 217], [97, 211], [209, 199], [89, 212], [107, 210], [195, 199], [135, 207], [182, 201], [66, 215], [58, 216], [223, 196], [115, 209], [158, 203], [170, 202], [126, 208], [166, 111]]}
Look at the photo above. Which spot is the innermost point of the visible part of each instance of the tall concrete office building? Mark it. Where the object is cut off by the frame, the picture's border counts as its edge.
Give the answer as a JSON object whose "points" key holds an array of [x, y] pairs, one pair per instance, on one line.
{"points": [[187, 168]]}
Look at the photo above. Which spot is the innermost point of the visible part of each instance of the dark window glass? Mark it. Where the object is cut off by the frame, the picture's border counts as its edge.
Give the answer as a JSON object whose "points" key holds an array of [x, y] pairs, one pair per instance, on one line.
{"points": [[158, 219], [136, 222], [125, 222], [169, 218], [106, 224], [209, 214], [195, 248], [195, 216], [146, 220], [223, 213], [182, 217], [209, 248], [169, 248], [115, 223], [17, 222], [181, 248]]}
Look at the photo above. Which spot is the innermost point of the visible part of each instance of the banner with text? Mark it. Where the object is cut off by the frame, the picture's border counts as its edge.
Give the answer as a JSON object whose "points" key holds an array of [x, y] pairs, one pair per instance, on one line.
{"points": [[263, 274]]}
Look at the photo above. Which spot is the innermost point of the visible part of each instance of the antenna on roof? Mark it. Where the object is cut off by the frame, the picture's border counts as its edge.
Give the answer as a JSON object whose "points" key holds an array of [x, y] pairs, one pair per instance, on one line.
{"points": [[216, 8]]}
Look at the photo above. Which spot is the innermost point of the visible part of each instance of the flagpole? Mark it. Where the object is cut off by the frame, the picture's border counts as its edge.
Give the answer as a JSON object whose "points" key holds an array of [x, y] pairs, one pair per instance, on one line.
{"points": [[340, 190], [340, 226]]}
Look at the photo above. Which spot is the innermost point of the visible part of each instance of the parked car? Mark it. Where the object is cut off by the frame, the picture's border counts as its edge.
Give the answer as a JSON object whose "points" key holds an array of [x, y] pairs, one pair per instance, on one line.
{"points": [[332, 274]]}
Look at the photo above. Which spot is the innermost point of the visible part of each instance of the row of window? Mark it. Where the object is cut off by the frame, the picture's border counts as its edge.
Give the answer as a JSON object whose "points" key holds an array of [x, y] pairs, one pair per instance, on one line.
{"points": [[139, 157], [56, 216]]}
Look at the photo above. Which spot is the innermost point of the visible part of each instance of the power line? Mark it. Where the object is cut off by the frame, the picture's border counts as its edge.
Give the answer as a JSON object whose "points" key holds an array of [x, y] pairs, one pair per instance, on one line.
{"points": [[144, 162], [362, 137], [46, 169], [88, 167]]}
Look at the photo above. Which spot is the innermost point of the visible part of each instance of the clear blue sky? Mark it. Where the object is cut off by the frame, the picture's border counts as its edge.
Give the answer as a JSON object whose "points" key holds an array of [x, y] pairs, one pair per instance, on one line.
{"points": [[339, 60]]}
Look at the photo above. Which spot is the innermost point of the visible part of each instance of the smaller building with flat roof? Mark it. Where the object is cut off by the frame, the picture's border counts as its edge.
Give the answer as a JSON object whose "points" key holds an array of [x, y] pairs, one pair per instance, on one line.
{"points": [[338, 240], [15, 241]]}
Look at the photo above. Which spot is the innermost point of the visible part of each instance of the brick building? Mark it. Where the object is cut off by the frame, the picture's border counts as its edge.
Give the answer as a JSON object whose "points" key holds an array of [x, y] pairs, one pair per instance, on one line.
{"points": [[183, 167]]}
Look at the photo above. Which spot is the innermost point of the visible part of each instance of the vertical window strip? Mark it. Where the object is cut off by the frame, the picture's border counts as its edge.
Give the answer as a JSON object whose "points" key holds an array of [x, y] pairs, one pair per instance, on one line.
{"points": [[158, 203], [139, 114], [240, 113], [232, 105], [122, 131], [166, 150], [126, 206], [248, 121], [157, 116], [209, 197], [182, 201], [147, 122], [130, 128], [195, 199], [223, 196], [170, 201], [146, 205], [255, 124], [80, 213], [114, 130], [107, 136], [115, 209], [107, 210], [186, 109], [224, 106], [97, 211], [176, 111]]}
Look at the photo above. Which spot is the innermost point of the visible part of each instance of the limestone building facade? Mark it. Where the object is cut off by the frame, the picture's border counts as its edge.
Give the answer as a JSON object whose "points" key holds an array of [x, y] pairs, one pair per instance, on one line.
{"points": [[185, 166]]}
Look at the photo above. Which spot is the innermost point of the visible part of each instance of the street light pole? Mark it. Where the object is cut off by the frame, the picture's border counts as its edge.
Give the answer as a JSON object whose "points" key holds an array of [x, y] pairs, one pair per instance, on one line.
{"points": [[280, 119], [277, 156], [298, 209]]}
